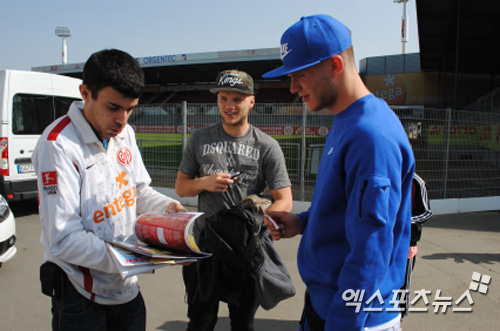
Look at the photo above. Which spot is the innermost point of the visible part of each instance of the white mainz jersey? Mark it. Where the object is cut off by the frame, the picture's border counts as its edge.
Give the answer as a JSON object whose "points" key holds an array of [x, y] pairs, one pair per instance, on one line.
{"points": [[87, 195]]}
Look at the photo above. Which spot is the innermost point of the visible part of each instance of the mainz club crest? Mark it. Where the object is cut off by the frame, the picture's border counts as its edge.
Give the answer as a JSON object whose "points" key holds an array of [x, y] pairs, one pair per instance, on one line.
{"points": [[124, 156]]}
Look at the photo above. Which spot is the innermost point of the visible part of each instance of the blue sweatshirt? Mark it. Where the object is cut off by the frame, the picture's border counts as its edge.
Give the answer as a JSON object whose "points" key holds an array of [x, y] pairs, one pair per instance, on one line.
{"points": [[357, 229]]}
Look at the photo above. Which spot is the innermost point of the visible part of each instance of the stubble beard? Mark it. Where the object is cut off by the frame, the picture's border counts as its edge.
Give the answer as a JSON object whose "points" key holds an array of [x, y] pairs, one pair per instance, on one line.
{"points": [[327, 96], [327, 101]]}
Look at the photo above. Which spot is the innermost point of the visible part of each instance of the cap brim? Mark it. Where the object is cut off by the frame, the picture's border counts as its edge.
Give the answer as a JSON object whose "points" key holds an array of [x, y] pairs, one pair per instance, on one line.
{"points": [[229, 89], [282, 71]]}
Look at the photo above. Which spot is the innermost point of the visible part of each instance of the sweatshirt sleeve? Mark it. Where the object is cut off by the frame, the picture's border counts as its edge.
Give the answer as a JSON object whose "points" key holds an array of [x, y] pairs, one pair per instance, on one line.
{"points": [[304, 216]]}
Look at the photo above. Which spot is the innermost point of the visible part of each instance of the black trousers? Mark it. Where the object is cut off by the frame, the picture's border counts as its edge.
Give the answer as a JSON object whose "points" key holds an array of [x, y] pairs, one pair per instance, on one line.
{"points": [[74, 312], [204, 317], [310, 319]]}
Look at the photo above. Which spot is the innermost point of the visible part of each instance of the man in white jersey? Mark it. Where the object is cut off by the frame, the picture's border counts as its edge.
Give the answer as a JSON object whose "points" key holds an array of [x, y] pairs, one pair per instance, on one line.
{"points": [[92, 185]]}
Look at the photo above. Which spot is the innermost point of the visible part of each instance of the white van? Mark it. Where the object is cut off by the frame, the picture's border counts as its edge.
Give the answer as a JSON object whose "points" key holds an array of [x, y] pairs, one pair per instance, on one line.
{"points": [[29, 102]]}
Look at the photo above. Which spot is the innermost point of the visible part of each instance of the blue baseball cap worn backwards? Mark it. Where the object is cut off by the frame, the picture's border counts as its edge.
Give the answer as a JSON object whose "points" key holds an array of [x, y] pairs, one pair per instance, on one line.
{"points": [[310, 41]]}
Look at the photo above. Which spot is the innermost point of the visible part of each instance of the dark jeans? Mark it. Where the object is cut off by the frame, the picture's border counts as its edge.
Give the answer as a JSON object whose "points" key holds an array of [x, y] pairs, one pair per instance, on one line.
{"points": [[75, 312], [204, 318]]}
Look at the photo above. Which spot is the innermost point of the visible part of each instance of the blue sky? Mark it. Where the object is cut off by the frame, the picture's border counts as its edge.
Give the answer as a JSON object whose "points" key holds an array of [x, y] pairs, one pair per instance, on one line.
{"points": [[163, 27]]}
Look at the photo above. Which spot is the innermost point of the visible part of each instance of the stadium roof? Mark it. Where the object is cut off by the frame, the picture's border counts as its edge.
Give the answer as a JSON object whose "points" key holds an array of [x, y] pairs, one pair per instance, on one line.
{"points": [[467, 30], [191, 68]]}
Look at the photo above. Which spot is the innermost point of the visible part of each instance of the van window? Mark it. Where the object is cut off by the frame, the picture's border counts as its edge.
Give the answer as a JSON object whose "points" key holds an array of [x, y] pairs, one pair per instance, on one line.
{"points": [[32, 113]]}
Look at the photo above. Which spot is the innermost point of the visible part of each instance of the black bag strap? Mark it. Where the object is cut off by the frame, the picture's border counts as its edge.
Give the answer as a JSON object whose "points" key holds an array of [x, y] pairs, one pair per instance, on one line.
{"points": [[314, 322]]}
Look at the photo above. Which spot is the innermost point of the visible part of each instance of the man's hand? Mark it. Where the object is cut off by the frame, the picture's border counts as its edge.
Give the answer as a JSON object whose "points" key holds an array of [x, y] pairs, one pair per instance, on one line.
{"points": [[413, 252], [188, 186], [289, 225], [175, 207], [218, 182]]}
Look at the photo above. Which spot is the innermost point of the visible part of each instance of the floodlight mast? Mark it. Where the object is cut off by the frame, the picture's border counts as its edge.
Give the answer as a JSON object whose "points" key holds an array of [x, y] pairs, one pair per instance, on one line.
{"points": [[404, 26], [63, 32]]}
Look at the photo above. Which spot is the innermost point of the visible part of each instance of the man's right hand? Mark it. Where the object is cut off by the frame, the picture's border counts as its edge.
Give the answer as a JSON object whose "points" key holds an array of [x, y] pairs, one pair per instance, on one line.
{"points": [[289, 224]]}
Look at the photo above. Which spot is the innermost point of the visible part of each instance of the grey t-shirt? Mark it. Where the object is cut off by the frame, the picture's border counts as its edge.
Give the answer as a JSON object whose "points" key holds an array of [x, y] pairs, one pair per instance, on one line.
{"points": [[256, 155]]}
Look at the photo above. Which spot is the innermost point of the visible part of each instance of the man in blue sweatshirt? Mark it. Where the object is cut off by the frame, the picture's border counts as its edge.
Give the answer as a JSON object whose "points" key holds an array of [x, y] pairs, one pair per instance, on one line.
{"points": [[356, 233]]}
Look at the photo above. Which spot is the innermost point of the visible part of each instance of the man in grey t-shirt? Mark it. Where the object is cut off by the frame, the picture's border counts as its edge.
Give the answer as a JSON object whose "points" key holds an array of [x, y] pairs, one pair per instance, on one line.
{"points": [[222, 164]]}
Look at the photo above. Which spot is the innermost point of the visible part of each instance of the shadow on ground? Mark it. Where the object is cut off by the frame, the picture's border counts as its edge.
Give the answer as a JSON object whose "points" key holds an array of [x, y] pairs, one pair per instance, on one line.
{"points": [[476, 258], [482, 221], [223, 324]]}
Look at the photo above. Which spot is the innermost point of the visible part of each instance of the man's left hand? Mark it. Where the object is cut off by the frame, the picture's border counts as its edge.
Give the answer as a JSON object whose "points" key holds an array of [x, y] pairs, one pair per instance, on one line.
{"points": [[175, 207]]}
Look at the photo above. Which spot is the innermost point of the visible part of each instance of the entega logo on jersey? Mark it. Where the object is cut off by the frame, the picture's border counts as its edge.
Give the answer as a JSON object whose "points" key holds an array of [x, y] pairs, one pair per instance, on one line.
{"points": [[126, 198]]}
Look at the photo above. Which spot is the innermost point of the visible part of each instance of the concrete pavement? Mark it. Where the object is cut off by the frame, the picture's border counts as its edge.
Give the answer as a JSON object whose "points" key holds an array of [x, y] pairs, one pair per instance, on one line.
{"points": [[452, 248]]}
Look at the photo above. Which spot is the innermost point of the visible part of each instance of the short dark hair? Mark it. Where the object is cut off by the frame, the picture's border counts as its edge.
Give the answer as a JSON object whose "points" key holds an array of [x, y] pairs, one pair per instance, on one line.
{"points": [[114, 68]]}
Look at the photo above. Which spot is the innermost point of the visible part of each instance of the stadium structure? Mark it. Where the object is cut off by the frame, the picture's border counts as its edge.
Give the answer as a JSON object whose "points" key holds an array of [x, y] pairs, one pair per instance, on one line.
{"points": [[457, 66], [447, 92]]}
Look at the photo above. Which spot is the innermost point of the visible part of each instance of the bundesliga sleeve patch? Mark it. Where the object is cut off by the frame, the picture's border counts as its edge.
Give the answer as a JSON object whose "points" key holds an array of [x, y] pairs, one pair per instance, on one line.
{"points": [[49, 180]]}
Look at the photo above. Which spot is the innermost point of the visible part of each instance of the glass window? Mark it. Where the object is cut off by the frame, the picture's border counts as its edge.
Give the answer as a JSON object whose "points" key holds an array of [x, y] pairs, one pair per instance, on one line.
{"points": [[32, 113]]}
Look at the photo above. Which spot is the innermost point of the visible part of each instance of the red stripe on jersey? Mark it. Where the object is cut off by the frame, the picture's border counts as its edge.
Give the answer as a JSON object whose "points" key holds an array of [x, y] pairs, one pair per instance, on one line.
{"points": [[58, 128], [88, 282]]}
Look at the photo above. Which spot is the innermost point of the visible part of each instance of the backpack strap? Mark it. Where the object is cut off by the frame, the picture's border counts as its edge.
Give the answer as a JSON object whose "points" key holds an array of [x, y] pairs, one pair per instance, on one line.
{"points": [[420, 211]]}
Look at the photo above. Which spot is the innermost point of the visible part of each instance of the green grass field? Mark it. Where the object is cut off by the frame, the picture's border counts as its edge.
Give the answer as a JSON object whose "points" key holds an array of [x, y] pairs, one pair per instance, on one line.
{"points": [[164, 150], [156, 139]]}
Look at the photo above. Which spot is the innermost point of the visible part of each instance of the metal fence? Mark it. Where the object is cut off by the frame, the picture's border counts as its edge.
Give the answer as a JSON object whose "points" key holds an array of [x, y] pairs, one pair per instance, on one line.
{"points": [[457, 152]]}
